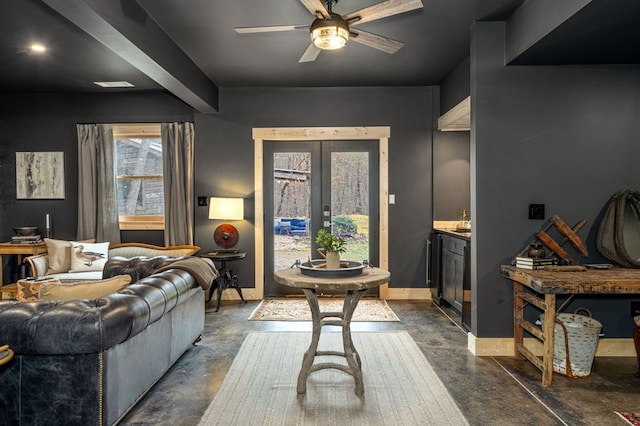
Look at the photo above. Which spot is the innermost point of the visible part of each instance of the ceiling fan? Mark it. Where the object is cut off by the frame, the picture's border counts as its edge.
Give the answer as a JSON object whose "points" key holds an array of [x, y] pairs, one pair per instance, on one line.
{"points": [[331, 31]]}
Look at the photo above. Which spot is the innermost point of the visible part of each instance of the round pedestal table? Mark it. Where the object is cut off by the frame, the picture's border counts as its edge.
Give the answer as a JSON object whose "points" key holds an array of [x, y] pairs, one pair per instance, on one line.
{"points": [[353, 287]]}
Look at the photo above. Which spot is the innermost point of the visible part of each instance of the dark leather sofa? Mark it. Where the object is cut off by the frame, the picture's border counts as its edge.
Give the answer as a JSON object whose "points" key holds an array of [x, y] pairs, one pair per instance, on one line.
{"points": [[87, 362]]}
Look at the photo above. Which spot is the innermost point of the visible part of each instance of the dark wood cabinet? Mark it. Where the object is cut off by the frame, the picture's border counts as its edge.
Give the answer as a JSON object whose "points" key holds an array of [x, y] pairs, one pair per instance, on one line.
{"points": [[449, 272]]}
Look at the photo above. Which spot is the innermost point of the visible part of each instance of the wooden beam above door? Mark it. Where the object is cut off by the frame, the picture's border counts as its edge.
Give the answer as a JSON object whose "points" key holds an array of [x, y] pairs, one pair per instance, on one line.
{"points": [[321, 133]]}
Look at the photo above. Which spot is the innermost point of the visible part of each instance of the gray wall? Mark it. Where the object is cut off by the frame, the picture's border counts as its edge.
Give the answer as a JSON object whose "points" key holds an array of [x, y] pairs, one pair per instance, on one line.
{"points": [[451, 152], [47, 122], [451, 175], [455, 87], [562, 136], [224, 157]]}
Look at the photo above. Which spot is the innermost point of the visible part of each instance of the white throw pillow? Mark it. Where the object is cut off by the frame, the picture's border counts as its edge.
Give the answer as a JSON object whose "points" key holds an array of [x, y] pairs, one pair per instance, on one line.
{"points": [[59, 255], [88, 257]]}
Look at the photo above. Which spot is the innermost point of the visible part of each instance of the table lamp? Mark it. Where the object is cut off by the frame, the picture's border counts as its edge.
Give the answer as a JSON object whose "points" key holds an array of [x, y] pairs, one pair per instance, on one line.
{"points": [[226, 235]]}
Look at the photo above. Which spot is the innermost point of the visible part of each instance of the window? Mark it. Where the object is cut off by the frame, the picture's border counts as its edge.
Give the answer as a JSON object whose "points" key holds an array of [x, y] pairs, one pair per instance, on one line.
{"points": [[139, 181]]}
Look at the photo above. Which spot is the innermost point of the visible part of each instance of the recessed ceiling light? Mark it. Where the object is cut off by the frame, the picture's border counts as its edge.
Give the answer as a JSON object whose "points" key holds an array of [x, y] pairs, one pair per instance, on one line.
{"points": [[37, 48], [113, 84]]}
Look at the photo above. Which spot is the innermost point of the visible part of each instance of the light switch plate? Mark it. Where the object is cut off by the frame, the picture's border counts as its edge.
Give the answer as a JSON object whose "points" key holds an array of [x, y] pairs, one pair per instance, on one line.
{"points": [[392, 198]]}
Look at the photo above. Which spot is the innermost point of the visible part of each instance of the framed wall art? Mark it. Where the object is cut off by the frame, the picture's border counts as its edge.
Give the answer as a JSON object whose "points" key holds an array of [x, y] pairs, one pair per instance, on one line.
{"points": [[39, 175]]}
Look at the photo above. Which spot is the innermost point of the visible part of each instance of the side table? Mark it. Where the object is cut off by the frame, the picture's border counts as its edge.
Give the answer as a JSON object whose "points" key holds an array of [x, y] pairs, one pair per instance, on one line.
{"points": [[9, 292], [354, 288], [227, 279], [20, 250]]}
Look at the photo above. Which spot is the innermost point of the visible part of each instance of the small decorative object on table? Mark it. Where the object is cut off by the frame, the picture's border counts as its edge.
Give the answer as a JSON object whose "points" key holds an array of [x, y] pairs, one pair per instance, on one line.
{"points": [[465, 221], [536, 250], [315, 268], [25, 231], [556, 250], [330, 248], [26, 235]]}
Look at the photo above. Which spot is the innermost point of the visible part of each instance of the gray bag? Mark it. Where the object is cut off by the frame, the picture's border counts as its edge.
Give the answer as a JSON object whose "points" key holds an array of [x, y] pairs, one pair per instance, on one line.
{"points": [[619, 232]]}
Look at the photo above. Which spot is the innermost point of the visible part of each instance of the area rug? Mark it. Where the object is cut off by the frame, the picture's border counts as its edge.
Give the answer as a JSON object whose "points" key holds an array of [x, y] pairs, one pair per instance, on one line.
{"points": [[630, 418], [401, 387], [297, 309]]}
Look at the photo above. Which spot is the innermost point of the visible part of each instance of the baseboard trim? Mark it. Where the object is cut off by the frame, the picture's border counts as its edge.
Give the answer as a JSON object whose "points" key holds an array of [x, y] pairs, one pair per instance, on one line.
{"points": [[504, 346], [388, 293], [407, 294]]}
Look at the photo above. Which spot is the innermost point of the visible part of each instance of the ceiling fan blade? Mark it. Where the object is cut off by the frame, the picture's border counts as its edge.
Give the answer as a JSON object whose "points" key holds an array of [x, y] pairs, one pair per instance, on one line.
{"points": [[386, 44], [382, 10], [315, 6], [310, 54], [270, 29]]}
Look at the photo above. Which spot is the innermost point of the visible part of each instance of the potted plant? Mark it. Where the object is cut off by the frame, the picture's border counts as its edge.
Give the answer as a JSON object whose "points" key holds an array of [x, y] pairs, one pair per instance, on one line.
{"points": [[330, 248]]}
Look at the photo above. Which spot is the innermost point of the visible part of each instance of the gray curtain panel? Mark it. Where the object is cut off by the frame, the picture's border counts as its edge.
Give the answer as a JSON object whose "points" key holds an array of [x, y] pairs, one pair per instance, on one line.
{"points": [[179, 199], [97, 203]]}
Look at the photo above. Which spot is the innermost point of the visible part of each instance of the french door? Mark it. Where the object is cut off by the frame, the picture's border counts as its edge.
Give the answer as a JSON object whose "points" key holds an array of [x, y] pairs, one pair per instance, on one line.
{"points": [[315, 185]]}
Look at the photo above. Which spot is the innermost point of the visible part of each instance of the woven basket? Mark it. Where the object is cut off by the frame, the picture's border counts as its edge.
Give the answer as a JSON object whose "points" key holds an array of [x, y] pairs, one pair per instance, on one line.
{"points": [[578, 333]]}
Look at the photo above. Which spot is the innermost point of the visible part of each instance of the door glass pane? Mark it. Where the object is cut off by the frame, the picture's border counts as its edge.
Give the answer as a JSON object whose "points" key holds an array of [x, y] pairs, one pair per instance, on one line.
{"points": [[350, 202], [291, 208]]}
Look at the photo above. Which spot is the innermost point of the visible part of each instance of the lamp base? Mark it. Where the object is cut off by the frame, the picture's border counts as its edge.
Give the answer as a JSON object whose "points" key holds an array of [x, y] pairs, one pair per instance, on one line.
{"points": [[226, 235]]}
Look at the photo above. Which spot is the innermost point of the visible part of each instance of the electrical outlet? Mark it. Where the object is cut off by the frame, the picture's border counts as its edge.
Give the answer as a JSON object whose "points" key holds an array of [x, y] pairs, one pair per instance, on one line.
{"points": [[536, 211], [202, 201], [635, 309]]}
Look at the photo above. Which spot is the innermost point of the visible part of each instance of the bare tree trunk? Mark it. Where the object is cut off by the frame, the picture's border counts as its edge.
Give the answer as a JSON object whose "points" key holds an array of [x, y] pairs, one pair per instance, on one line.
{"points": [[282, 193]]}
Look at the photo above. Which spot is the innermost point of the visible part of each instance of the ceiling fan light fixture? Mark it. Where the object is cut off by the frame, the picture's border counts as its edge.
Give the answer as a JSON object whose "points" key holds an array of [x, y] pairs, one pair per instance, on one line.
{"points": [[330, 33]]}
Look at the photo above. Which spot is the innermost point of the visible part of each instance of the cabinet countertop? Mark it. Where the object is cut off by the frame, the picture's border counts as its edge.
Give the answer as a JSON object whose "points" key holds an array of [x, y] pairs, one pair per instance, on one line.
{"points": [[452, 232]]}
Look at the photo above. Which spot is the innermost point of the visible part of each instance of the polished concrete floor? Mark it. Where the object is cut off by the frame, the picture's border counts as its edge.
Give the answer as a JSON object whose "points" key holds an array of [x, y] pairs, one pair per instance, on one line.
{"points": [[488, 390]]}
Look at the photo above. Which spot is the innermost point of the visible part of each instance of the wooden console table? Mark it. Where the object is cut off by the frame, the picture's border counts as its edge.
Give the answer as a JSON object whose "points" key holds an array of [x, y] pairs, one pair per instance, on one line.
{"points": [[546, 285], [20, 250]]}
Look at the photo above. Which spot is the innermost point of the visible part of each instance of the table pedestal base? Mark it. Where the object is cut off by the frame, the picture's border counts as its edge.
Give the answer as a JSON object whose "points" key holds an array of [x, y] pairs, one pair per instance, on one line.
{"points": [[224, 281], [353, 367]]}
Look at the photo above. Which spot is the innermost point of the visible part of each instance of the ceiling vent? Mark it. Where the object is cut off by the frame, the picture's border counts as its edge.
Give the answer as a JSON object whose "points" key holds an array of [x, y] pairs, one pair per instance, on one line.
{"points": [[112, 84]]}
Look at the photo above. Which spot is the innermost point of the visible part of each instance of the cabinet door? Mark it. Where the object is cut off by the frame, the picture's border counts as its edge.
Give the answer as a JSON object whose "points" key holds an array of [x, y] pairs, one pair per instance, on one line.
{"points": [[458, 281], [448, 276], [453, 271]]}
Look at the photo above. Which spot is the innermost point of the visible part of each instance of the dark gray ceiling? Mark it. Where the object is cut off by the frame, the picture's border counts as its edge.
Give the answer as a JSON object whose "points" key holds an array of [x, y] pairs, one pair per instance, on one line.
{"points": [[185, 45]]}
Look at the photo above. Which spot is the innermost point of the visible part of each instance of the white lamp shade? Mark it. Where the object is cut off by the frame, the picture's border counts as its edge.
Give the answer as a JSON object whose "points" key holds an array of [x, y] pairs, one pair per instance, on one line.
{"points": [[226, 208]]}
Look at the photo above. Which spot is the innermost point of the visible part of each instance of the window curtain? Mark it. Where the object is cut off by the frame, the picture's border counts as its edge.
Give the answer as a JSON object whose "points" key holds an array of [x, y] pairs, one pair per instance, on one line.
{"points": [[97, 203], [179, 199]]}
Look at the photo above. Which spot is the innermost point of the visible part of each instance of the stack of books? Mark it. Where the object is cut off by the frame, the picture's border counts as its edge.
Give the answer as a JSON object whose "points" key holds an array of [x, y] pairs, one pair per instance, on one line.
{"points": [[31, 239], [535, 262]]}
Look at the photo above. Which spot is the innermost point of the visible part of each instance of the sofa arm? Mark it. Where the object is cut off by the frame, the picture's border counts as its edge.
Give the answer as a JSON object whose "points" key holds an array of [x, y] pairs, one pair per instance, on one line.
{"points": [[39, 264], [148, 250]]}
